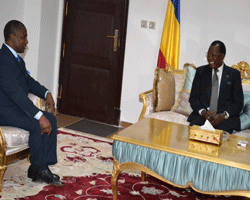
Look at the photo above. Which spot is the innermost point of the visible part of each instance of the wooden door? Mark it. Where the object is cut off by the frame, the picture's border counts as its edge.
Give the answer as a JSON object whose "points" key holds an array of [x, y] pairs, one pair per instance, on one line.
{"points": [[92, 59]]}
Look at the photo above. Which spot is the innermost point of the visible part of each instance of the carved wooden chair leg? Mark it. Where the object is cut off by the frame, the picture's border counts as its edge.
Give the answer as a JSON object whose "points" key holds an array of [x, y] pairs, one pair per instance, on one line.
{"points": [[143, 176], [2, 171]]}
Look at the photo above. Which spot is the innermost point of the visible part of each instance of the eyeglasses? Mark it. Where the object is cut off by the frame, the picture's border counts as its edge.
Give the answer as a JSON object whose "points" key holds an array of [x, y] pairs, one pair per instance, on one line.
{"points": [[215, 56]]}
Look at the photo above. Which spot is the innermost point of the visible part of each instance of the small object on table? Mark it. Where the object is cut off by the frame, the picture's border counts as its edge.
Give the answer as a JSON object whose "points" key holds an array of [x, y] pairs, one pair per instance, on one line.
{"points": [[242, 143], [196, 133]]}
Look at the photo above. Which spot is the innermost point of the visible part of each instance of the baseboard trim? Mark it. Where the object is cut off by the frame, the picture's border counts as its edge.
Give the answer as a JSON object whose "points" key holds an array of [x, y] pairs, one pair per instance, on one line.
{"points": [[125, 124]]}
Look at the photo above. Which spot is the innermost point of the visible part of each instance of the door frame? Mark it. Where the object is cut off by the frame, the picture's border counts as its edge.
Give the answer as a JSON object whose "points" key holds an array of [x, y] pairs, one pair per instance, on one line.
{"points": [[122, 42]]}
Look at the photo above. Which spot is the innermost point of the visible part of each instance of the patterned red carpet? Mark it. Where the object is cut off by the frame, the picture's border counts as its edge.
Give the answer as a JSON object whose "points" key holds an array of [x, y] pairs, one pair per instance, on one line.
{"points": [[97, 187], [85, 165]]}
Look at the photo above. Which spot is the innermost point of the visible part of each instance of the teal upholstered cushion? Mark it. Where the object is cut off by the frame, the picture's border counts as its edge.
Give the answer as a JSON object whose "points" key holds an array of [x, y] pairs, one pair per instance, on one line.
{"points": [[182, 104], [191, 70], [245, 115]]}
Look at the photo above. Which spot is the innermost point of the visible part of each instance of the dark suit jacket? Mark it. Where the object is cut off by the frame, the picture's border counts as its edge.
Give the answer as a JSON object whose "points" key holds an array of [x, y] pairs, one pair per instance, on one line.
{"points": [[15, 84], [230, 93]]}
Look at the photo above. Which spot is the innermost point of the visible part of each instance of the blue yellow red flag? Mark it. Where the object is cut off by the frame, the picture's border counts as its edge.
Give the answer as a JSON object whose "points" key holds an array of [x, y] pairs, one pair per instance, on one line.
{"points": [[170, 41]]}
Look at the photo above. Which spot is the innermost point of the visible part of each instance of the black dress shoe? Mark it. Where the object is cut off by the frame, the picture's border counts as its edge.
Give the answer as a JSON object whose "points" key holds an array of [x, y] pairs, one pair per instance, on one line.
{"points": [[32, 172], [47, 177]]}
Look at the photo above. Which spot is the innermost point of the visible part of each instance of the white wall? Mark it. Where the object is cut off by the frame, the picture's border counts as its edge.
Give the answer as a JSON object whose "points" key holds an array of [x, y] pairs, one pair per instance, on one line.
{"points": [[10, 9], [50, 44], [141, 53], [32, 21], [203, 21]]}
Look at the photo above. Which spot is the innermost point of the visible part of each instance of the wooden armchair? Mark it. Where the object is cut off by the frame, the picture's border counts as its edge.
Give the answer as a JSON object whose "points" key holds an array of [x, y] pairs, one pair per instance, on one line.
{"points": [[147, 97], [14, 143]]}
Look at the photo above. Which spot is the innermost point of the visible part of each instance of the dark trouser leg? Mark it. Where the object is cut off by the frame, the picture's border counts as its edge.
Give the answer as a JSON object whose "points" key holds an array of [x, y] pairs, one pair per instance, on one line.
{"points": [[196, 120], [229, 125], [42, 147]]}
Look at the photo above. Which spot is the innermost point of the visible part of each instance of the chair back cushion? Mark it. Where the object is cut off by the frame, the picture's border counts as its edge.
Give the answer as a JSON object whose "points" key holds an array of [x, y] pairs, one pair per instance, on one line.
{"points": [[163, 90], [245, 115], [182, 104]]}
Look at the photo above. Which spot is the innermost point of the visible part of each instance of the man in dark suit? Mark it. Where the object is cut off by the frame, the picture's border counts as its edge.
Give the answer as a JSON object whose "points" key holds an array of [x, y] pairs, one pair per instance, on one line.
{"points": [[229, 100], [17, 110]]}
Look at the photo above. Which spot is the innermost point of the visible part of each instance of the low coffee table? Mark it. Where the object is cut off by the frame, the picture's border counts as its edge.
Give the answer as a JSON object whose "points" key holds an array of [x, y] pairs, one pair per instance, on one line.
{"points": [[163, 150]]}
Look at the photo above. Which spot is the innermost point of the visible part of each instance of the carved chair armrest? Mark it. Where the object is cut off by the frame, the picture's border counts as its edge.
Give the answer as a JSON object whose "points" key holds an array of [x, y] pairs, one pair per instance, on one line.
{"points": [[147, 99], [2, 149], [38, 102]]}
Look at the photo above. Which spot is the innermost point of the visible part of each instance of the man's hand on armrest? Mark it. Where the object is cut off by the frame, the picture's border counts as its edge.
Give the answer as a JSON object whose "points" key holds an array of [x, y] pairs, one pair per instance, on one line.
{"points": [[50, 104], [45, 125]]}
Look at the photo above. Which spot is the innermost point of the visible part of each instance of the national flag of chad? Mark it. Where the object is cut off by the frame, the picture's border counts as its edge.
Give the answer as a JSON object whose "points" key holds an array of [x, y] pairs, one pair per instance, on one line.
{"points": [[170, 41]]}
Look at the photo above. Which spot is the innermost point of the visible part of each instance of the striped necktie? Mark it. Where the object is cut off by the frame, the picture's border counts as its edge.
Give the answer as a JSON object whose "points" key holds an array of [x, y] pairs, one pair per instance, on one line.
{"points": [[214, 94]]}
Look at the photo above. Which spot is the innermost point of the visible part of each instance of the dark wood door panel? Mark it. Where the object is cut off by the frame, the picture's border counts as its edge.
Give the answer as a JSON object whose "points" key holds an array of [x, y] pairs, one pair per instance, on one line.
{"points": [[91, 68], [93, 86], [90, 60], [98, 6], [90, 33]]}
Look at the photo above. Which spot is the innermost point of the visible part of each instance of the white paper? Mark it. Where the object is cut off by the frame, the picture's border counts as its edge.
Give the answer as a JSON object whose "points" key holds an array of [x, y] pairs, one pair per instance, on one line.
{"points": [[242, 143], [208, 126]]}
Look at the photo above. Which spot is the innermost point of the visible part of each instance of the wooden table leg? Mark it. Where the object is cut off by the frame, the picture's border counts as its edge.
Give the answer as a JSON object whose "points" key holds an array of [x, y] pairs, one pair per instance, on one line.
{"points": [[114, 177], [143, 176]]}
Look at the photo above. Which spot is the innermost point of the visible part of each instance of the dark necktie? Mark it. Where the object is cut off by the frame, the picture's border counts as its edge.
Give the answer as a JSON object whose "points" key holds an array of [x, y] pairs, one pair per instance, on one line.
{"points": [[214, 94], [18, 58]]}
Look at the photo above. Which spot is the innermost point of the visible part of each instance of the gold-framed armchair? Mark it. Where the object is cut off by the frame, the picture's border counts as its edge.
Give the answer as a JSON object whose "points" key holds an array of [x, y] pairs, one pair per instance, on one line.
{"points": [[147, 97], [178, 113]]}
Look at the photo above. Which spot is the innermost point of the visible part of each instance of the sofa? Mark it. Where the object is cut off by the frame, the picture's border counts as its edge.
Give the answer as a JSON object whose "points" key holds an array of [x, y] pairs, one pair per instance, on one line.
{"points": [[178, 108], [14, 142]]}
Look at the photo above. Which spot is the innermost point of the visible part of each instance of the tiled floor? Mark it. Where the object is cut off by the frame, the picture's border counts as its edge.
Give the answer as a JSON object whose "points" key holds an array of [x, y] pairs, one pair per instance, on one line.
{"points": [[66, 120]]}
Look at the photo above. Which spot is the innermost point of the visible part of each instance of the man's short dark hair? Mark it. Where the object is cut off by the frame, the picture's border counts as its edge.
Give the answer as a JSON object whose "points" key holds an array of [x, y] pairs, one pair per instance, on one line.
{"points": [[222, 46], [11, 28]]}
